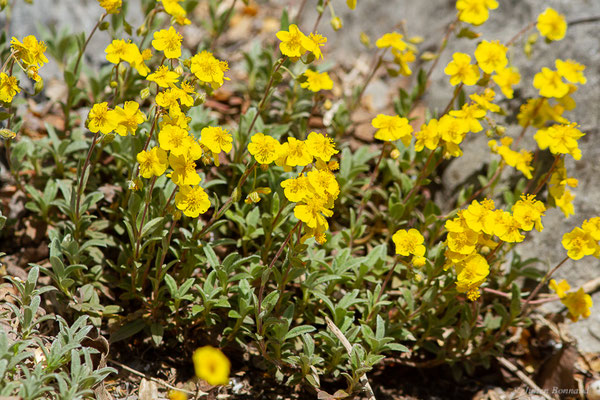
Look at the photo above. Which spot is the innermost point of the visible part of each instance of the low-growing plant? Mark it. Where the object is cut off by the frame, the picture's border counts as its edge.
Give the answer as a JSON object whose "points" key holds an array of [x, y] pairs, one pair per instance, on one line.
{"points": [[258, 227]]}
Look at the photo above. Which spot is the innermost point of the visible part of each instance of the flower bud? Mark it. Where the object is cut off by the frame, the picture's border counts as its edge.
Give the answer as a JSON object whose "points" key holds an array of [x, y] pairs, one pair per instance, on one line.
{"points": [[7, 134], [395, 154], [336, 23], [38, 87], [144, 93], [108, 138]]}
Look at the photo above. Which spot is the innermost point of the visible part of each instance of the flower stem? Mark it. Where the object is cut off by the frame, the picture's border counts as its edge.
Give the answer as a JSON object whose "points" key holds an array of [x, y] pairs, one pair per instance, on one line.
{"points": [[383, 286], [263, 283], [535, 291], [138, 241], [82, 180], [69, 103]]}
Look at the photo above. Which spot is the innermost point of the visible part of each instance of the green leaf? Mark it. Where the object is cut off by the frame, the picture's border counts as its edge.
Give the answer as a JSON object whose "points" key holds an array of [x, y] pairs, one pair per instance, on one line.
{"points": [[211, 257], [157, 331], [171, 285], [299, 330], [127, 330]]}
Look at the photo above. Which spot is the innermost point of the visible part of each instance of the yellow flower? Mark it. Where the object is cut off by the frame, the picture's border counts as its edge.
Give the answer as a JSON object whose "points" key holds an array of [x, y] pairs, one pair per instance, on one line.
{"points": [[211, 365], [324, 183], [453, 129], [578, 304], [561, 288], [461, 70], [402, 58], [264, 148], [118, 50], [475, 215], [550, 84], [321, 146], [529, 212], [463, 242], [485, 101], [565, 203], [393, 40], [409, 242], [173, 8], [475, 12], [294, 43], [102, 119], [209, 69], [175, 139], [316, 81], [519, 160], [8, 87], [510, 226], [470, 114], [296, 153], [579, 243], [313, 213], [168, 41], [551, 24], [184, 166], [296, 189], [216, 139], [111, 6], [506, 78], [491, 56], [163, 77], [30, 52], [592, 226], [471, 273], [428, 136], [559, 180], [570, 70], [318, 42], [560, 139], [391, 128], [193, 201], [152, 162], [128, 118], [351, 4], [167, 99], [177, 395]]}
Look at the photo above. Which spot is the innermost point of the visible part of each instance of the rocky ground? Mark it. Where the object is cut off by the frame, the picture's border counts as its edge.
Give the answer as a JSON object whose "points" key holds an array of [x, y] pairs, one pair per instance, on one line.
{"points": [[430, 19]]}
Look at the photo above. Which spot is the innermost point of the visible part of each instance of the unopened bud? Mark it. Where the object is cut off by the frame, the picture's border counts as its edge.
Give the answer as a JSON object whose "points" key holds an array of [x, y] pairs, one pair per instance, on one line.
{"points": [[395, 154], [38, 87], [135, 184], [7, 133], [104, 25], [144, 93], [108, 138], [336, 23], [141, 30], [113, 84], [179, 69]]}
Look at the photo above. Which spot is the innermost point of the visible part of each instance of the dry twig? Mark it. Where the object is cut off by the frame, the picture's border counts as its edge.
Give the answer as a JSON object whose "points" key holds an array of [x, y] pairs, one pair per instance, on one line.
{"points": [[527, 380], [363, 379], [153, 379]]}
